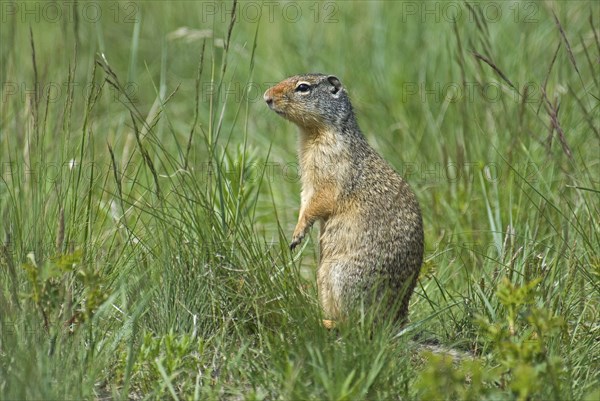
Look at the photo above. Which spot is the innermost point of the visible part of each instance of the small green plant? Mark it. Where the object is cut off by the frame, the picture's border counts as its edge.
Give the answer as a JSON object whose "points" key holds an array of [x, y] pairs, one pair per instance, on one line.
{"points": [[64, 289], [176, 354], [523, 342], [519, 345], [445, 378]]}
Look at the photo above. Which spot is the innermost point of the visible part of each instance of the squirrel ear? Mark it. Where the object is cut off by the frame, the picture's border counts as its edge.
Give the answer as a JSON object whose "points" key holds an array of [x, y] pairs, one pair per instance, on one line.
{"points": [[337, 85]]}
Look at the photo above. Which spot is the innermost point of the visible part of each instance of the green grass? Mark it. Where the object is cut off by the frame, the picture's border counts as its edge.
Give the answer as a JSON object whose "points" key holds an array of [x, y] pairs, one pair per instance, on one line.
{"points": [[147, 198]]}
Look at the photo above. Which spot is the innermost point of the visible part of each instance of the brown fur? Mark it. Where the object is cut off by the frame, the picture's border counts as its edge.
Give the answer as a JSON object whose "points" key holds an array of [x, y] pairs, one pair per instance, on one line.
{"points": [[371, 242]]}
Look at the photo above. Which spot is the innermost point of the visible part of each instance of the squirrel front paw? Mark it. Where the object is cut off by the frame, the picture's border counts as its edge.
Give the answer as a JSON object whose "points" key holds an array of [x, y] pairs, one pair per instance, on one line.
{"points": [[296, 240], [300, 230]]}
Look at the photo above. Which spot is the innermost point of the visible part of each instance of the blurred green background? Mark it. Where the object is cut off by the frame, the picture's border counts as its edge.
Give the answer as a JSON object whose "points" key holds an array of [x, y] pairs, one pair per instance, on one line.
{"points": [[147, 197]]}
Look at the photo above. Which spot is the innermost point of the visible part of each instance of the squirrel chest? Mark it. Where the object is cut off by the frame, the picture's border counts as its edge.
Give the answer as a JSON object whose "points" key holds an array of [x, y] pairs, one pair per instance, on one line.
{"points": [[324, 168]]}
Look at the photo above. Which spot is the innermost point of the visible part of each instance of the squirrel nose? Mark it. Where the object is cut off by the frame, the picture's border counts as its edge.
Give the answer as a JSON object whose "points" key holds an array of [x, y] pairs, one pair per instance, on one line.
{"points": [[268, 98]]}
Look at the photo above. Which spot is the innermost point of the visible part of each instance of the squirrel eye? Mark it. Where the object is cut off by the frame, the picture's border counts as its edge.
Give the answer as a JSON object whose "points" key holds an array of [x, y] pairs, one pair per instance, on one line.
{"points": [[302, 87]]}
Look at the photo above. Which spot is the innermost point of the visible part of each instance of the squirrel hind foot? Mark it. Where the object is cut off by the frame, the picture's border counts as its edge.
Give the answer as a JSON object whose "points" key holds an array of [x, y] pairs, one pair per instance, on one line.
{"points": [[329, 324]]}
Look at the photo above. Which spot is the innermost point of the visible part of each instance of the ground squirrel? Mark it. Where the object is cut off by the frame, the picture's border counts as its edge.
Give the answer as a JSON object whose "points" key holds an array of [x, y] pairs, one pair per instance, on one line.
{"points": [[371, 239]]}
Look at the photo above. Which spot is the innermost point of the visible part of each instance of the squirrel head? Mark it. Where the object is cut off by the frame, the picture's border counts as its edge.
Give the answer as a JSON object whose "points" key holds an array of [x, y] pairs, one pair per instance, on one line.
{"points": [[311, 101]]}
